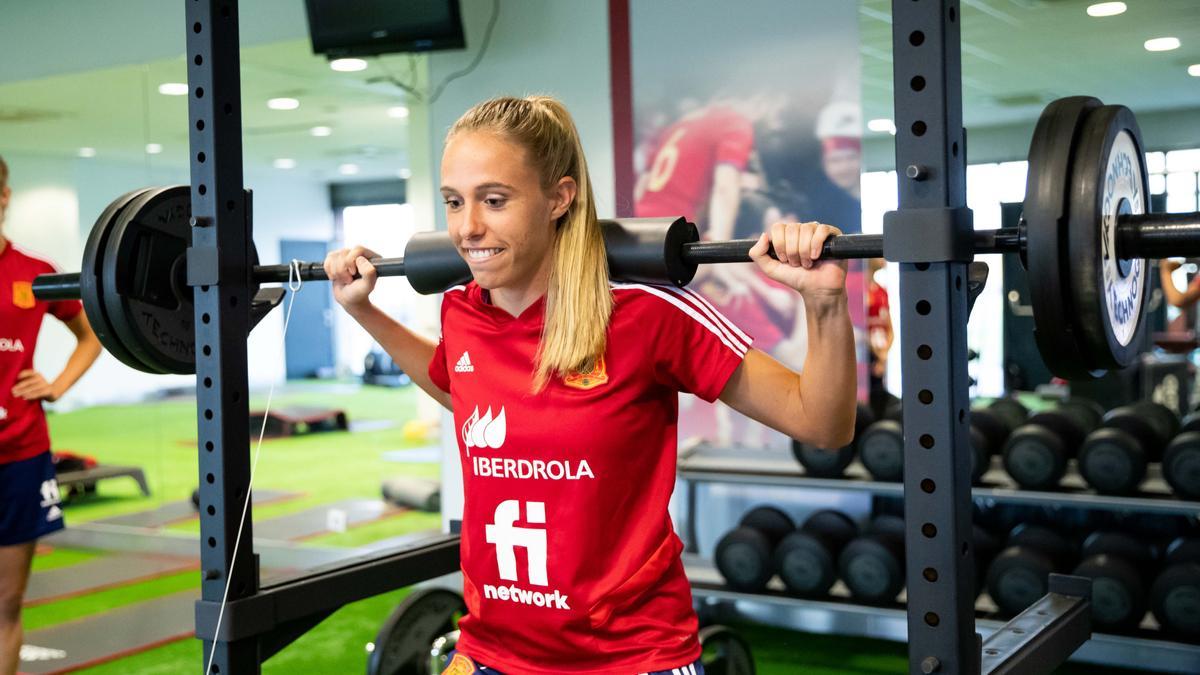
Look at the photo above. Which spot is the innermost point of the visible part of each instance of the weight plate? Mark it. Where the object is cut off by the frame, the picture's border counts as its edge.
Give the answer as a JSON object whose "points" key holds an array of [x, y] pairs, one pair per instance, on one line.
{"points": [[725, 652], [743, 558], [1044, 214], [1108, 180], [145, 280], [1181, 465], [403, 644], [806, 564], [1112, 461], [881, 450], [90, 287]]}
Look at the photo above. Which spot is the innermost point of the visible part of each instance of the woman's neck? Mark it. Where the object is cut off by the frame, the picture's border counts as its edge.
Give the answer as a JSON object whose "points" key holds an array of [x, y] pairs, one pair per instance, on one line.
{"points": [[516, 299]]}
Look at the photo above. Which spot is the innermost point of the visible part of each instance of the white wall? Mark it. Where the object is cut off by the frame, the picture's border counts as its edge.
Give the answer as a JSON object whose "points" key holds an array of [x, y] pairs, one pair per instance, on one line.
{"points": [[55, 203]]}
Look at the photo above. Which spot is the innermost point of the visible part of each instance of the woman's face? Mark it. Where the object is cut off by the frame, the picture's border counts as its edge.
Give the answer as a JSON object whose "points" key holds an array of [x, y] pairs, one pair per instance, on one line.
{"points": [[499, 217]]}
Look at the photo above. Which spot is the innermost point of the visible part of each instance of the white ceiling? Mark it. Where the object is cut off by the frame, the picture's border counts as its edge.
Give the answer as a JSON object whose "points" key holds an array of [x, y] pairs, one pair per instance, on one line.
{"points": [[1018, 55]]}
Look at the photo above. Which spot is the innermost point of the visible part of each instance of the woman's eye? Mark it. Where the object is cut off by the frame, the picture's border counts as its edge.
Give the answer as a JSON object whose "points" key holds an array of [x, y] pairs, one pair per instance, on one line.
{"points": [[453, 203], [495, 202]]}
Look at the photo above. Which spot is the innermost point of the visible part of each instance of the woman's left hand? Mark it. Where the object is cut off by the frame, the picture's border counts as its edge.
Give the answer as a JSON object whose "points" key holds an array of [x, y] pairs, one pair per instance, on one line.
{"points": [[798, 249]]}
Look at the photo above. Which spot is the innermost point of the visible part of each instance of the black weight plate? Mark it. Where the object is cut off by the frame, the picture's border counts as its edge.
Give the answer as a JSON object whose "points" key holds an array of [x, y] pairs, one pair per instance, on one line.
{"points": [[822, 463], [1117, 544], [402, 646], [881, 450], [1175, 600], [1035, 456], [725, 652], [807, 564], [1191, 422], [1017, 578], [744, 559], [772, 522], [145, 280], [1181, 465], [1108, 179], [1118, 592], [834, 526], [1011, 410], [872, 568], [1164, 420], [1183, 549], [1044, 213], [1139, 422], [1113, 461], [981, 451], [1086, 412], [90, 286]]}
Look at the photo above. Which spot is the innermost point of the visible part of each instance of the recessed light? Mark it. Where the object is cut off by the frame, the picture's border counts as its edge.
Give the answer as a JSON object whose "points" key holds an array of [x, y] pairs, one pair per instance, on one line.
{"points": [[283, 104], [153, 148], [882, 125], [404, 174], [173, 89], [348, 65], [398, 112], [285, 163], [348, 169], [320, 131], [87, 153], [1106, 9], [1194, 70], [1162, 44]]}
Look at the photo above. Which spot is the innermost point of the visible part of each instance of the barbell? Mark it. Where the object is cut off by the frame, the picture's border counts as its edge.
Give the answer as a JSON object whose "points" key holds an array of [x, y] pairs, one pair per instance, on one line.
{"points": [[1084, 238]]}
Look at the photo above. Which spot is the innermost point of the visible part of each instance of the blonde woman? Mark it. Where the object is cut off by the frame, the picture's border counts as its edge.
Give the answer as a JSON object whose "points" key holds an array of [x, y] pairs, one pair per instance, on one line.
{"points": [[564, 386]]}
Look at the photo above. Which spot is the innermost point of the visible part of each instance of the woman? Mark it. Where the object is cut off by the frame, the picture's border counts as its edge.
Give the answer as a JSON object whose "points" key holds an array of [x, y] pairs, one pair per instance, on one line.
{"points": [[564, 390], [29, 499]]}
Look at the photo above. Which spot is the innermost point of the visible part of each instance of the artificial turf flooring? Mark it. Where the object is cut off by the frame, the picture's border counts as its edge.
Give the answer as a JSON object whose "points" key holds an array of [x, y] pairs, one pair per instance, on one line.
{"points": [[160, 437]]}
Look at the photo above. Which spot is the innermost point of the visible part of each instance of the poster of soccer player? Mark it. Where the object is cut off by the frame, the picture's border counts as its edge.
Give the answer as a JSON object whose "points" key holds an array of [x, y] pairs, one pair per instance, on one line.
{"points": [[740, 121]]}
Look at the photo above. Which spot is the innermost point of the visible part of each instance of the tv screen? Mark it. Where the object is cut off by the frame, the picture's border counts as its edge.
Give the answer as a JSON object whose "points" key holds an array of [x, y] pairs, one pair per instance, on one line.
{"points": [[368, 27]]}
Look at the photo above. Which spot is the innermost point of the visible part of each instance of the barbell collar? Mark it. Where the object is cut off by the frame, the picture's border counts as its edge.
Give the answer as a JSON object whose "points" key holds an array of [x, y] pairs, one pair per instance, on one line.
{"points": [[51, 287]]}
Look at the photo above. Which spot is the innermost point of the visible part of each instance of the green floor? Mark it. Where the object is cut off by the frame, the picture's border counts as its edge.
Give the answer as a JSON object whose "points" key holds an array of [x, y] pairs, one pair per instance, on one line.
{"points": [[160, 437]]}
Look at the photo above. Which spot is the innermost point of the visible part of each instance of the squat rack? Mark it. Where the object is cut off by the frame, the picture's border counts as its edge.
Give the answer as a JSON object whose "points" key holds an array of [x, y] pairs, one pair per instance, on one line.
{"points": [[929, 235]]}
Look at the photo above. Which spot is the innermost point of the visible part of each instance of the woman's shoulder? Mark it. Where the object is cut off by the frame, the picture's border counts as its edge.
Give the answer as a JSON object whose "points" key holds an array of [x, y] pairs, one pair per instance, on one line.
{"points": [[647, 301]]}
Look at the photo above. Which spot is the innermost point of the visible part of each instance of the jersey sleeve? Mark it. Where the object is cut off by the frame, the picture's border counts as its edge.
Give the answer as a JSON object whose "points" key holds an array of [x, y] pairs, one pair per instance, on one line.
{"points": [[65, 310], [437, 367], [696, 348], [737, 141]]}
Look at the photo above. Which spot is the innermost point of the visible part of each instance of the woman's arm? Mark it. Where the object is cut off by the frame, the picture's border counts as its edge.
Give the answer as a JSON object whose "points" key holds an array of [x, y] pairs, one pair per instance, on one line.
{"points": [[31, 385], [1173, 295], [410, 351], [817, 405]]}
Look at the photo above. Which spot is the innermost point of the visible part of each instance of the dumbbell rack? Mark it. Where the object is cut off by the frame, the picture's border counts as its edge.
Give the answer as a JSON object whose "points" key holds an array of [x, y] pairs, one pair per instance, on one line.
{"points": [[840, 615]]}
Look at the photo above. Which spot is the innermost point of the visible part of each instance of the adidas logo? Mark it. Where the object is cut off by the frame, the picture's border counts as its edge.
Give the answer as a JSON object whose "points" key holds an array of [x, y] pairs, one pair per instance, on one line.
{"points": [[464, 364], [53, 514]]}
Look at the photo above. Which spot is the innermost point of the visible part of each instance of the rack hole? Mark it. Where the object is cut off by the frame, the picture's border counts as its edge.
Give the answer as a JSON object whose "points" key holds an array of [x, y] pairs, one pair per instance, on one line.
{"points": [[926, 441], [928, 486], [923, 307], [925, 352], [925, 396], [919, 128]]}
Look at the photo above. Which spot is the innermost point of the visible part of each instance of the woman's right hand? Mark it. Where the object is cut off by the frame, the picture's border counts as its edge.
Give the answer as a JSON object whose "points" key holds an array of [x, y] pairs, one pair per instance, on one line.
{"points": [[352, 275]]}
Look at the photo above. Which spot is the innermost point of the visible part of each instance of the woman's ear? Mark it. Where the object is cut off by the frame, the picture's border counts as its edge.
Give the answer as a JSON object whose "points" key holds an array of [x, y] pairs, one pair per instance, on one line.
{"points": [[562, 196]]}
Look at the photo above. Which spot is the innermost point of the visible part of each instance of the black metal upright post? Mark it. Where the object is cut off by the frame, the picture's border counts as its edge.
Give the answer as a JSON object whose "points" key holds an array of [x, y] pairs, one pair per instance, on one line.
{"points": [[930, 235], [219, 273]]}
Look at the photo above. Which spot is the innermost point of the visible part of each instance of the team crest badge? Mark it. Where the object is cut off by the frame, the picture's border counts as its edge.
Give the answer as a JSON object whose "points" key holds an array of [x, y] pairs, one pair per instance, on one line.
{"points": [[459, 665], [22, 294], [589, 380]]}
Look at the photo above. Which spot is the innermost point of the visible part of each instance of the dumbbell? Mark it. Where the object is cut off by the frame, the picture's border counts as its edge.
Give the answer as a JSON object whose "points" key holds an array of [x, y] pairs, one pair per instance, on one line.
{"points": [[1036, 453], [1175, 594], [826, 463], [1113, 458], [987, 547], [881, 450], [807, 558], [744, 554], [991, 425], [872, 564], [1018, 576], [1119, 566], [1181, 459], [882, 446]]}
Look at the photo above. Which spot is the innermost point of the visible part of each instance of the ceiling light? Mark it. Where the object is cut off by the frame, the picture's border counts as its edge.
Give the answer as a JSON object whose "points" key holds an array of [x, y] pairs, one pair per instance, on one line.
{"points": [[1106, 9], [404, 174], [153, 148], [173, 89], [348, 169], [398, 112], [1162, 44], [87, 153], [283, 104], [882, 125], [348, 65], [285, 163], [1194, 70], [320, 131]]}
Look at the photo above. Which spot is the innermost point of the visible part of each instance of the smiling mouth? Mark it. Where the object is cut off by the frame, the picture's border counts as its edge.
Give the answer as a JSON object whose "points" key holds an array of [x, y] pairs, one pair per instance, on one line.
{"points": [[482, 254]]}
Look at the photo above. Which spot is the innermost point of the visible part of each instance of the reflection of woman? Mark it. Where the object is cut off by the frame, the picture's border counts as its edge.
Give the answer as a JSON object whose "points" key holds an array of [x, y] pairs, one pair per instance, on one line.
{"points": [[564, 389]]}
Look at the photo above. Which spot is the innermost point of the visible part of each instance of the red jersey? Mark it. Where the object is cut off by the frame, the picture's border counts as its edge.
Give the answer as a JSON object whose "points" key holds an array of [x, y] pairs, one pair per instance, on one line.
{"points": [[878, 314], [23, 431], [679, 180], [570, 562]]}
